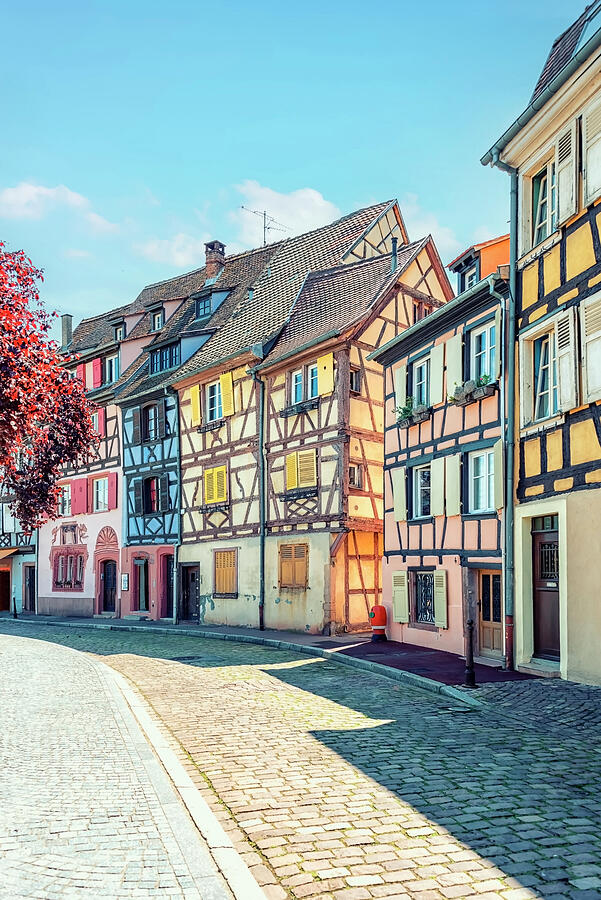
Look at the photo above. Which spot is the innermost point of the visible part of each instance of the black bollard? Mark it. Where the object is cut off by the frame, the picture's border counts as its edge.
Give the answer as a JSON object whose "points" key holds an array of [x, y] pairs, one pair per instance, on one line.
{"points": [[470, 675], [15, 608]]}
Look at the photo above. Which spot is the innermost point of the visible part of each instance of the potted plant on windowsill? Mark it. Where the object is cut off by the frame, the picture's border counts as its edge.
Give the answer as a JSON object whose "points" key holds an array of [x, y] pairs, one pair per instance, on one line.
{"points": [[421, 413], [409, 414], [485, 387], [473, 390]]}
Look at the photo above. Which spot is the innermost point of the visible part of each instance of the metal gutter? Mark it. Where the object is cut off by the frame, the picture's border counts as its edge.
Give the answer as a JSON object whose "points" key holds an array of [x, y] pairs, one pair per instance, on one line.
{"points": [[262, 517], [560, 79], [178, 456]]}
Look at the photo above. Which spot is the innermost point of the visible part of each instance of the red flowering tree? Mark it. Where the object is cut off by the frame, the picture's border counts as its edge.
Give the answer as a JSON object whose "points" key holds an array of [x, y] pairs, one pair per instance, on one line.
{"points": [[45, 419]]}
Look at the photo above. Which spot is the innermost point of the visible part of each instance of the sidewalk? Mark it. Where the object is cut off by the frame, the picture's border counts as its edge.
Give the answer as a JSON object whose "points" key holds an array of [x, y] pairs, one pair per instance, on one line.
{"points": [[435, 665]]}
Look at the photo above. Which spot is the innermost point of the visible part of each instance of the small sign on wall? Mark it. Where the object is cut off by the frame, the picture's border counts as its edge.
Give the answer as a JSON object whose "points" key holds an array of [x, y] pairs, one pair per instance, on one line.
{"points": [[125, 581]]}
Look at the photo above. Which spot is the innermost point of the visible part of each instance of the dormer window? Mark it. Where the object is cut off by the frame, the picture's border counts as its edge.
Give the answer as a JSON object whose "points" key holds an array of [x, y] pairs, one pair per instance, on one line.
{"points": [[164, 358], [111, 369], [120, 331], [157, 320], [203, 307], [471, 277]]}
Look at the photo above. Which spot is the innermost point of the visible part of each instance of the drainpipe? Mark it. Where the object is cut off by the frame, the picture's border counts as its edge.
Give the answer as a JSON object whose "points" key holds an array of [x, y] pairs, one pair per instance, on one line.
{"points": [[509, 511], [179, 508], [394, 260], [261, 388]]}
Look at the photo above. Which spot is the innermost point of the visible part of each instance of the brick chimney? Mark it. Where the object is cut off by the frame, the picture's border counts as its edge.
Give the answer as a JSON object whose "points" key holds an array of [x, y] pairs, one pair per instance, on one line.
{"points": [[215, 258], [67, 324]]}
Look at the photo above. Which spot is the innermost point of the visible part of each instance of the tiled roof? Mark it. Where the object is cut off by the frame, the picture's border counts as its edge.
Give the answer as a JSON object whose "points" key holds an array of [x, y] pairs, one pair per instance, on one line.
{"points": [[563, 49], [334, 299], [93, 333], [254, 319]]}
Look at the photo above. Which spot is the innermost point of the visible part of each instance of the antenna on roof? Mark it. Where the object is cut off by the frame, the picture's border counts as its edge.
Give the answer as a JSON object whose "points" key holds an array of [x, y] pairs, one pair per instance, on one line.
{"points": [[269, 223]]}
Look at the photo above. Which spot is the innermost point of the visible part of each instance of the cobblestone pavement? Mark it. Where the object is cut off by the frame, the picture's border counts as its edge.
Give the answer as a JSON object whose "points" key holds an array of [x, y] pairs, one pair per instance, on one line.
{"points": [[550, 702], [85, 808], [339, 784]]}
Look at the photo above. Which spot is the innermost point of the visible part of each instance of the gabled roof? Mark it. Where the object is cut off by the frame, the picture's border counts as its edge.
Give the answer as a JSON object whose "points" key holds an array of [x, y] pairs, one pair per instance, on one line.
{"points": [[94, 333], [564, 48], [333, 300], [475, 248]]}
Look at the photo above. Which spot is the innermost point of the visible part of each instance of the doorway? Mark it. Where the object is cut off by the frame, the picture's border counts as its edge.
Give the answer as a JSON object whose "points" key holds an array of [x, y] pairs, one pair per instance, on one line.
{"points": [[29, 588], [4, 590], [141, 584], [108, 577], [190, 593], [167, 580], [545, 586], [491, 619]]}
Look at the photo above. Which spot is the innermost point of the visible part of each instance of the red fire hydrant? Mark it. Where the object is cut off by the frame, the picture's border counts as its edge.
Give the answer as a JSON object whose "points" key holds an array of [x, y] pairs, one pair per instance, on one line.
{"points": [[378, 623]]}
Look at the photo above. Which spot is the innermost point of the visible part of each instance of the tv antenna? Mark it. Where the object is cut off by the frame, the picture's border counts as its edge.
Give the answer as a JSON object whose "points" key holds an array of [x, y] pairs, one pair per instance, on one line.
{"points": [[269, 223]]}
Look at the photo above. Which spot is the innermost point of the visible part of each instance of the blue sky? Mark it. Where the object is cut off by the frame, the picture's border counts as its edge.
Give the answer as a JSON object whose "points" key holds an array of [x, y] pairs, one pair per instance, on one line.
{"points": [[136, 130]]}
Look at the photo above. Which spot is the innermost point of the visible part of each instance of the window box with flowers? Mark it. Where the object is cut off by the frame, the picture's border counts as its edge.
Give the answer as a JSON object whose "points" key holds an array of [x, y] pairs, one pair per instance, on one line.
{"points": [[411, 414], [474, 389]]}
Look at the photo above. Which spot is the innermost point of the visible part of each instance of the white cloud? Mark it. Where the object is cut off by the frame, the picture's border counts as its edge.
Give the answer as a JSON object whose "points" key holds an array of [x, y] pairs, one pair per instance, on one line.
{"points": [[100, 224], [74, 253], [32, 201], [180, 250], [420, 222], [299, 211]]}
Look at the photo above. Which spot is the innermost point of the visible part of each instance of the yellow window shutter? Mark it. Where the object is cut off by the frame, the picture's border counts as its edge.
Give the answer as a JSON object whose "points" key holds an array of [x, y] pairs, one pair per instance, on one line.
{"points": [[325, 374], [300, 565], [220, 484], [400, 597], [209, 485], [307, 468], [195, 398], [399, 493], [286, 565], [440, 598], [499, 474], [227, 394], [291, 472]]}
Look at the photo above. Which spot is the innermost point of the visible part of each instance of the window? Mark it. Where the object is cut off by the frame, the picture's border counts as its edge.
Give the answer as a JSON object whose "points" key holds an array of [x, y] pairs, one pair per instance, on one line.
{"points": [[470, 278], [216, 485], [297, 386], [544, 204], [64, 500], [151, 496], [111, 369], [225, 582], [421, 382], [294, 565], [60, 571], [165, 358], [141, 583], [157, 321], [119, 332], [355, 381], [545, 523], [95, 421], [214, 405], [301, 469], [100, 494], [203, 307], [424, 598], [483, 341], [312, 382], [355, 476], [68, 572], [150, 423], [546, 402], [482, 481], [79, 575], [421, 492]]}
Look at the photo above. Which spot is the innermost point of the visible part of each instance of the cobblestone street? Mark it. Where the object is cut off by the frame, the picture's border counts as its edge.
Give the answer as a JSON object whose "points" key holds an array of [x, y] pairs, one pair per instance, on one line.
{"points": [[332, 783]]}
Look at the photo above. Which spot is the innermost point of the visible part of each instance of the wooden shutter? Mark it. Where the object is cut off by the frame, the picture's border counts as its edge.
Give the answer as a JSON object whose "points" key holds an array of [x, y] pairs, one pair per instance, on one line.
{"points": [[286, 565], [590, 330], [440, 598], [220, 484], [160, 419], [307, 468], [226, 572], [136, 432], [209, 486], [79, 496], [499, 474], [437, 467], [498, 343], [96, 372], [400, 597], [591, 152], [196, 417], [325, 374], [101, 430], [112, 490], [400, 386], [301, 555], [291, 472], [453, 484], [80, 372], [454, 354], [227, 394], [565, 341], [436, 374], [138, 497], [525, 365], [566, 173], [399, 493], [164, 503]]}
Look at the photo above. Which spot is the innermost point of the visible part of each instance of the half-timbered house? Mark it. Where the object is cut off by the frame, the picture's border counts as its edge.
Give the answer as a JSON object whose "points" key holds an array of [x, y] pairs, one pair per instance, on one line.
{"points": [[443, 474], [552, 153], [17, 564], [284, 375]]}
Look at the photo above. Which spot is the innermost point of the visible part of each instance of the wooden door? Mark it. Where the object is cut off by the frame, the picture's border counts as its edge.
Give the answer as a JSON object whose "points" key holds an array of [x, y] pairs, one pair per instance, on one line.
{"points": [[190, 593], [29, 589], [545, 594], [109, 585], [4, 590], [491, 619], [167, 606]]}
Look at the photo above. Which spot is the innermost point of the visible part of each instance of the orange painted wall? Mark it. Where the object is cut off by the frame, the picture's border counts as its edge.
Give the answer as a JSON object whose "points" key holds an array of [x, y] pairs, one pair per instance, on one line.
{"points": [[493, 256]]}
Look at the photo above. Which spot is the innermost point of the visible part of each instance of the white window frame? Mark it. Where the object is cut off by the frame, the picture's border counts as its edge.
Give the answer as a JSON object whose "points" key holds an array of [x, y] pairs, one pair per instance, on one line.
{"points": [[356, 478], [214, 401], [101, 494], [297, 387], [548, 222], [95, 417], [470, 278], [489, 352], [488, 477], [312, 381], [553, 381], [119, 332], [562, 325], [157, 320], [111, 369], [418, 493], [418, 365], [64, 500]]}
